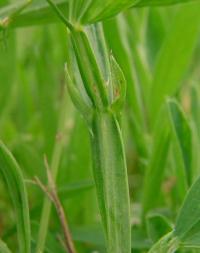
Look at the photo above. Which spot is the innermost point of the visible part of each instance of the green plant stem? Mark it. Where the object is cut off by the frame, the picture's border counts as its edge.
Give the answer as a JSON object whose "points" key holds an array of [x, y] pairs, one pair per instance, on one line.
{"points": [[110, 175], [61, 16], [109, 164], [55, 162]]}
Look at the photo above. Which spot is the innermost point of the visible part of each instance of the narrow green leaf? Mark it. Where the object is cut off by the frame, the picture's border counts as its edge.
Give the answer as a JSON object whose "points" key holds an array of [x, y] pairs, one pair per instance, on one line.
{"points": [[183, 132], [178, 170], [15, 182], [191, 239], [167, 244], [189, 216], [181, 149]]}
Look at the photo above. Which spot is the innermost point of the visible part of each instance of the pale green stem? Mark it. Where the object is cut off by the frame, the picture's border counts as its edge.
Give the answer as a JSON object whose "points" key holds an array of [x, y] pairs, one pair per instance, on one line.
{"points": [[110, 175]]}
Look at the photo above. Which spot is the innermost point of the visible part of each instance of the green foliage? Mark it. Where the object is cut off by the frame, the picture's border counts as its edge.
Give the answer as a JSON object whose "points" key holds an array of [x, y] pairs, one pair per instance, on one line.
{"points": [[119, 125], [101, 104]]}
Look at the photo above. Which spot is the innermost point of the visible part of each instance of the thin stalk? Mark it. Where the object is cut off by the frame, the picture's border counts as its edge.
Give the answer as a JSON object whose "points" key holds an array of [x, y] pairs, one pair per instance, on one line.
{"points": [[110, 175], [52, 194], [109, 165], [60, 15], [55, 162]]}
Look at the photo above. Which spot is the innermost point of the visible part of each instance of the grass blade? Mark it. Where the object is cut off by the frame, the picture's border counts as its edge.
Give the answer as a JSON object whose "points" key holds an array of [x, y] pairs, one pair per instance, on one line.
{"points": [[183, 145], [189, 213], [15, 182], [167, 243]]}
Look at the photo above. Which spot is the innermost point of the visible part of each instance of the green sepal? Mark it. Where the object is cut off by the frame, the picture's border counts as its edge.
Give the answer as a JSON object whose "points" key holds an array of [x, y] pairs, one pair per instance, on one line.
{"points": [[89, 69], [79, 102], [118, 85]]}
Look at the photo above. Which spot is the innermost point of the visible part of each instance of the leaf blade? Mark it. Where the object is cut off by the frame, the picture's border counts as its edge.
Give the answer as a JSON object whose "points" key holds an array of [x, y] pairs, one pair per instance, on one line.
{"points": [[14, 179]]}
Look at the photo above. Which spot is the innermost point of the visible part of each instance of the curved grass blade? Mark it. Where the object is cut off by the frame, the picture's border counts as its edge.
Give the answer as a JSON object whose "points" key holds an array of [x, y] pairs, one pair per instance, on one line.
{"points": [[13, 177], [187, 228], [167, 244], [189, 216]]}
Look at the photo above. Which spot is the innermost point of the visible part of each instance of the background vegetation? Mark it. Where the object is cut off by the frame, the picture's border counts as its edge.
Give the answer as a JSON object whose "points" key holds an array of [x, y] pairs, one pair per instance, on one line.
{"points": [[157, 47]]}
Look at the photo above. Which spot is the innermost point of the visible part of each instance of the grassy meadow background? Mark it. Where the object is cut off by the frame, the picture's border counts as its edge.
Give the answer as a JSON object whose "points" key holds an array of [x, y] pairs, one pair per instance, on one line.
{"points": [[158, 49]]}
